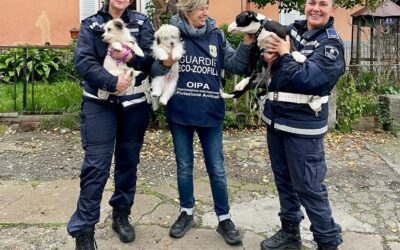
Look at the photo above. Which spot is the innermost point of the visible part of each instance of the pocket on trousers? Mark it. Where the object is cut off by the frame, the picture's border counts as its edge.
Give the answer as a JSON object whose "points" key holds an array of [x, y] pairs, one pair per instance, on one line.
{"points": [[83, 132], [314, 170]]}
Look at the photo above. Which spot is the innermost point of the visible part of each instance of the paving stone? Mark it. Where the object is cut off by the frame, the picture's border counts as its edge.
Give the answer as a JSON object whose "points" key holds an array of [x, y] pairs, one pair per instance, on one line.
{"points": [[164, 215], [357, 241]]}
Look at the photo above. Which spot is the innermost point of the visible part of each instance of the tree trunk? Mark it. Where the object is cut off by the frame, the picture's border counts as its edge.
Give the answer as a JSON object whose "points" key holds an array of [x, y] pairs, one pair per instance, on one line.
{"points": [[160, 8]]}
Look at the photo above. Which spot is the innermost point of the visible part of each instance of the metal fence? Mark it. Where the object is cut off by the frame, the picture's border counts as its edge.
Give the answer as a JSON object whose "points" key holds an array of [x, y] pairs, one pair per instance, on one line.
{"points": [[18, 68], [373, 78]]}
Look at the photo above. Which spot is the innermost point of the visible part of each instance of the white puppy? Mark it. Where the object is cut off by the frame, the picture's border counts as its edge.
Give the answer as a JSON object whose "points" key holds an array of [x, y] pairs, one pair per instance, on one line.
{"points": [[167, 41], [118, 37]]}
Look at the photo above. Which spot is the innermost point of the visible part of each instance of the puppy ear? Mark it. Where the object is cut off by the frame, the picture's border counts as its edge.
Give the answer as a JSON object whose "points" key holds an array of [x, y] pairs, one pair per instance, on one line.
{"points": [[253, 16], [119, 24]]}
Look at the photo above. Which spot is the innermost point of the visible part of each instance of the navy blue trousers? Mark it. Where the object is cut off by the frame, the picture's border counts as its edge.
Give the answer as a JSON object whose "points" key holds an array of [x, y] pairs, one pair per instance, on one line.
{"points": [[107, 129], [299, 169]]}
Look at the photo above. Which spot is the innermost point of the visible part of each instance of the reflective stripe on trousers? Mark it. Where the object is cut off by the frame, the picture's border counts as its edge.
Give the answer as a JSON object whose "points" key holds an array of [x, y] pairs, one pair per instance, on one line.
{"points": [[293, 130]]}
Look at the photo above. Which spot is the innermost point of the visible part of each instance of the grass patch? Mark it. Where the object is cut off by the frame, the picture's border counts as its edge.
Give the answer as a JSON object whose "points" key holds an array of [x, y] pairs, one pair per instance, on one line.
{"points": [[48, 97], [67, 120], [35, 183]]}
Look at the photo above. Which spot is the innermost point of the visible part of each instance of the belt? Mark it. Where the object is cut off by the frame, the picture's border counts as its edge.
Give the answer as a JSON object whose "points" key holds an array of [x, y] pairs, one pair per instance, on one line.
{"points": [[136, 90], [314, 101], [296, 98]]}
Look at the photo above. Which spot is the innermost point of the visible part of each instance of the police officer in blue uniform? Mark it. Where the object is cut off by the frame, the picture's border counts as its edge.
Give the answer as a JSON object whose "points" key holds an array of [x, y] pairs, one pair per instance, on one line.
{"points": [[296, 114], [112, 126], [198, 107]]}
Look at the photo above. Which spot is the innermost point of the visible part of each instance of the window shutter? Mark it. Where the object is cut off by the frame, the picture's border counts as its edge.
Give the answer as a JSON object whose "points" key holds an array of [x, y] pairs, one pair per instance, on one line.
{"points": [[88, 8]]}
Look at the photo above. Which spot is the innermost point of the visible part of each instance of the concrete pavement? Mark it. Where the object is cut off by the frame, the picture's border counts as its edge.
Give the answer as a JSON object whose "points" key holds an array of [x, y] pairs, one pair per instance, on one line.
{"points": [[33, 214]]}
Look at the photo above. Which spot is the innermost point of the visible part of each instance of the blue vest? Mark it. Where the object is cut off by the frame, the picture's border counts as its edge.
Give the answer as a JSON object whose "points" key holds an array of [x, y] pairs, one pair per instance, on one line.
{"points": [[197, 101]]}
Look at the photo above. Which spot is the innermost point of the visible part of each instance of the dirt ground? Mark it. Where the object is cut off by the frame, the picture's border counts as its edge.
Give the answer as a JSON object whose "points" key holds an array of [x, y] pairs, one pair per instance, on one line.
{"points": [[359, 180]]}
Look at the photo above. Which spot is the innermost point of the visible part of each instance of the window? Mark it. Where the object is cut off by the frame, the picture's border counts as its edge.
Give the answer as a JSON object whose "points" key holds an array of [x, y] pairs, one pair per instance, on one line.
{"points": [[88, 8], [290, 17]]}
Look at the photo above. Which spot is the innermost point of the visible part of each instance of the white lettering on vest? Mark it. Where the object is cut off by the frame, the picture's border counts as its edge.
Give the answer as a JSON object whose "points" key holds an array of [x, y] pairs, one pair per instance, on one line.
{"points": [[197, 85]]}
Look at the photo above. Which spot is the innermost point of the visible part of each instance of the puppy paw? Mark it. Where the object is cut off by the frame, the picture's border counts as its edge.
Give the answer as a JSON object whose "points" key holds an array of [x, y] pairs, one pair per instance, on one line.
{"points": [[242, 84], [138, 51], [103, 94], [177, 54], [226, 95], [164, 100], [298, 57], [117, 46], [129, 75], [162, 56]]}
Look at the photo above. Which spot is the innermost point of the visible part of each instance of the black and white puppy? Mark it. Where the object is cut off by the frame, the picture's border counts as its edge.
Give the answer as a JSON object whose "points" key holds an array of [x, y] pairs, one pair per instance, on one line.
{"points": [[255, 23]]}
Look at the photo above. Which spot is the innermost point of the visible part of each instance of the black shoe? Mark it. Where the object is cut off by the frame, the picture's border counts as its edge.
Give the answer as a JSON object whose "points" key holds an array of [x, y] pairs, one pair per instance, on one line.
{"points": [[181, 225], [121, 225], [288, 237], [326, 247], [85, 240], [228, 230]]}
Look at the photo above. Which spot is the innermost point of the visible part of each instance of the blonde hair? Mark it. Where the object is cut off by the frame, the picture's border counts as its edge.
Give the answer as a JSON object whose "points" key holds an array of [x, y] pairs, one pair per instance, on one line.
{"points": [[186, 6]]}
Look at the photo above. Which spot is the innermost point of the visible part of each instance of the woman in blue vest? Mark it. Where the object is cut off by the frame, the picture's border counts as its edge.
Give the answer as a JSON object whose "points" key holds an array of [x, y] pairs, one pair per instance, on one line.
{"points": [[296, 114], [110, 126], [198, 107]]}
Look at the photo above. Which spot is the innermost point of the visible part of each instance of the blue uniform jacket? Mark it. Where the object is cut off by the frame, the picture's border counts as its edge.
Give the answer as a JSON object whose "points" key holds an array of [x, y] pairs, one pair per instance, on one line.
{"points": [[317, 76], [91, 51], [197, 101]]}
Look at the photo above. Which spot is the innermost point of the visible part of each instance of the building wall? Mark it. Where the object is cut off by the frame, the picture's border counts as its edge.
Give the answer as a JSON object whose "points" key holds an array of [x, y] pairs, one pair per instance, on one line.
{"points": [[41, 21], [38, 21], [224, 13]]}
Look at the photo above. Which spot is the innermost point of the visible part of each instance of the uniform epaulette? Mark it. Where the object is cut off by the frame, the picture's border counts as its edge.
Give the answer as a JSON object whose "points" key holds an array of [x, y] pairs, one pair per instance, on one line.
{"points": [[332, 33], [139, 15]]}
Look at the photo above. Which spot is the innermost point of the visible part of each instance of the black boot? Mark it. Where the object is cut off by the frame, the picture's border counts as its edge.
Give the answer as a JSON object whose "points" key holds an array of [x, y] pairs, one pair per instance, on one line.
{"points": [[181, 225], [85, 240], [326, 247], [121, 225], [288, 237], [228, 230]]}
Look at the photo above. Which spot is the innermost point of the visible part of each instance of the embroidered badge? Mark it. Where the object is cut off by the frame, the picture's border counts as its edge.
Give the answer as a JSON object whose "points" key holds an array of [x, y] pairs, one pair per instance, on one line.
{"points": [[331, 52], [332, 33], [213, 50]]}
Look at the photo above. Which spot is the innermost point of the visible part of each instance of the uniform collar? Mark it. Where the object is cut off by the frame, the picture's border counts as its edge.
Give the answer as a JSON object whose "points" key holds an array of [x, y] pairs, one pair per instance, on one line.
{"points": [[301, 27], [127, 16]]}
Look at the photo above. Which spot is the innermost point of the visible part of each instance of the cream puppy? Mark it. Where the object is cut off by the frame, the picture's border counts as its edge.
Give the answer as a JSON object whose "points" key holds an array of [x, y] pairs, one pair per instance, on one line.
{"points": [[167, 41], [118, 37]]}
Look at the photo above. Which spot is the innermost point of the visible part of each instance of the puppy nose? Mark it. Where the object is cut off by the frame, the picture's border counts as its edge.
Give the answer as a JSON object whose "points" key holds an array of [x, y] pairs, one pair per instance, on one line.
{"points": [[172, 43]]}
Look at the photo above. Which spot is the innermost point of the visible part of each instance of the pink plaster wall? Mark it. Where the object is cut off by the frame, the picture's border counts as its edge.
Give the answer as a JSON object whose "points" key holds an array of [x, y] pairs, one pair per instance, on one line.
{"points": [[38, 21]]}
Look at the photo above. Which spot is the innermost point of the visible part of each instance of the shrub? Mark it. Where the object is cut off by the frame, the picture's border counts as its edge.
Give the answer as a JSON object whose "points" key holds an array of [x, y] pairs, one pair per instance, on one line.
{"points": [[349, 103], [233, 39], [41, 63]]}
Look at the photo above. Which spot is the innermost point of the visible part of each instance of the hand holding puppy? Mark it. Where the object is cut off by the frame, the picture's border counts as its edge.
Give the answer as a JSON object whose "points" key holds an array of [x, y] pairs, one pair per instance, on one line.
{"points": [[248, 38], [169, 62], [125, 55], [123, 83], [275, 44]]}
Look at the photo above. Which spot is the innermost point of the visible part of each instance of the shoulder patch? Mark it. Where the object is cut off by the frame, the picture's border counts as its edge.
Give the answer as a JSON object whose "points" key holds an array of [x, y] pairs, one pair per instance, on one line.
{"points": [[331, 52], [332, 33]]}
